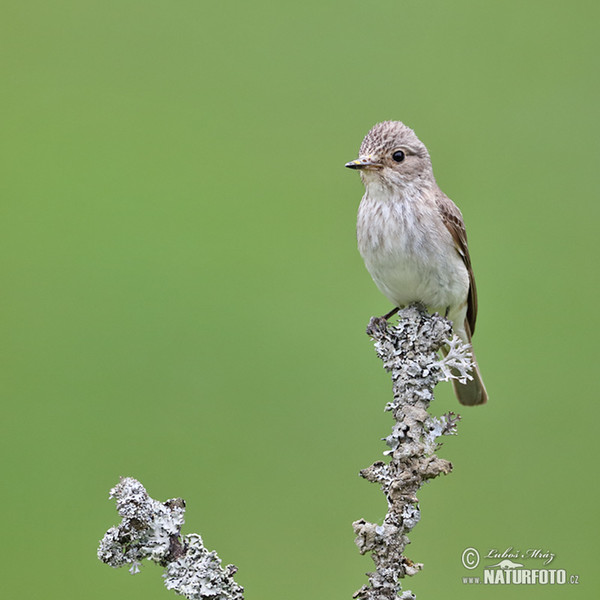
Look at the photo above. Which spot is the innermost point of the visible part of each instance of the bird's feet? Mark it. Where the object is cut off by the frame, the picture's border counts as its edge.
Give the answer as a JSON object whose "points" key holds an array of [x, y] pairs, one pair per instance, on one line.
{"points": [[380, 323], [376, 326]]}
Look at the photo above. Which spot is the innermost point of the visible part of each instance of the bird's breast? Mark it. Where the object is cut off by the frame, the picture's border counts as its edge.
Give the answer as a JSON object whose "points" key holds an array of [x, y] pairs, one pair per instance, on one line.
{"points": [[408, 250]]}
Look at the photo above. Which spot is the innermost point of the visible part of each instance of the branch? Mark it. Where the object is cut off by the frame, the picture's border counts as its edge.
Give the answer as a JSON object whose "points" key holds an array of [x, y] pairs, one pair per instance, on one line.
{"points": [[151, 529], [409, 351]]}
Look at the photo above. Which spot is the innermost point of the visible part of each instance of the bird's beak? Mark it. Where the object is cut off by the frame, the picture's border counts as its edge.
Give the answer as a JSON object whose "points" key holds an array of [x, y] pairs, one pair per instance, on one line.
{"points": [[364, 162]]}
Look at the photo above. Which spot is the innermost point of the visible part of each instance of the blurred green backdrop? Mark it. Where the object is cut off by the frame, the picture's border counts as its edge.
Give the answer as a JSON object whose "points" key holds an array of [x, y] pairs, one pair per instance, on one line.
{"points": [[183, 302]]}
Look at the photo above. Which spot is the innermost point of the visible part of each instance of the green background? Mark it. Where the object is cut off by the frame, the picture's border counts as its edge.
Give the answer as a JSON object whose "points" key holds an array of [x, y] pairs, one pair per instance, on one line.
{"points": [[183, 302]]}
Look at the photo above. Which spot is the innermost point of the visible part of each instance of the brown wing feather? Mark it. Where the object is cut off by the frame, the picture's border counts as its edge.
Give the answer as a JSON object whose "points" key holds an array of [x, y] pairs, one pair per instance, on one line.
{"points": [[453, 220]]}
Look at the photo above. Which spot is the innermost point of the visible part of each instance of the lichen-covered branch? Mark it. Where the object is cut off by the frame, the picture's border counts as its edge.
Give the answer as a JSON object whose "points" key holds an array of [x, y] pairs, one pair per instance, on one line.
{"points": [[410, 352], [152, 529]]}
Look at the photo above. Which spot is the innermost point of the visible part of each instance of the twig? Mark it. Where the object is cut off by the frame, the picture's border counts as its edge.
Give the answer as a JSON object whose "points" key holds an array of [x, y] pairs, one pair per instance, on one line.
{"points": [[151, 529], [409, 351]]}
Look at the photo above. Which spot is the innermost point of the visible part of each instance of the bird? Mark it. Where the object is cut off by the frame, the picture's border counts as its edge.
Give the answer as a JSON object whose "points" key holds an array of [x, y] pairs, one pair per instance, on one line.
{"points": [[412, 237]]}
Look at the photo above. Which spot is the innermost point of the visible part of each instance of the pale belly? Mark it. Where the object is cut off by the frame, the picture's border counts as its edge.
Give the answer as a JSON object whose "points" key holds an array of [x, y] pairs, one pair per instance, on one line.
{"points": [[439, 282]]}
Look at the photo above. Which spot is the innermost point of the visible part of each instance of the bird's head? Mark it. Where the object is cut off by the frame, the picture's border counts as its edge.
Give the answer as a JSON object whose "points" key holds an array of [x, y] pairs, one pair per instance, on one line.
{"points": [[393, 155]]}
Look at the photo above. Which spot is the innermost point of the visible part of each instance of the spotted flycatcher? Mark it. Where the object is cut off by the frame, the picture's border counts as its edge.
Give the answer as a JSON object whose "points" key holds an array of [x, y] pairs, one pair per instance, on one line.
{"points": [[412, 236]]}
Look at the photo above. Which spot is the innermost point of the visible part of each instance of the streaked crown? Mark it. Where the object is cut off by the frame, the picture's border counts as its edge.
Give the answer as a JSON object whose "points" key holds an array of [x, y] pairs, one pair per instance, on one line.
{"points": [[389, 135]]}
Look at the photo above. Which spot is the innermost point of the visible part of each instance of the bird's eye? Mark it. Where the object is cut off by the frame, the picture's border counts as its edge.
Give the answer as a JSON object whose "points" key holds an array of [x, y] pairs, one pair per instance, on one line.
{"points": [[398, 156]]}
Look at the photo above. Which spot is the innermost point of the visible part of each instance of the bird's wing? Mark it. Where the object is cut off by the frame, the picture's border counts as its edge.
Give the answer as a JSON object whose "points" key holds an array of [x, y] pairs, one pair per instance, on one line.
{"points": [[453, 220]]}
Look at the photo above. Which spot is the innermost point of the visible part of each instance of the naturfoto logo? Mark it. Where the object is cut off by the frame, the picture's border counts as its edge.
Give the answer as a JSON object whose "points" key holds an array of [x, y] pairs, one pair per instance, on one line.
{"points": [[510, 568]]}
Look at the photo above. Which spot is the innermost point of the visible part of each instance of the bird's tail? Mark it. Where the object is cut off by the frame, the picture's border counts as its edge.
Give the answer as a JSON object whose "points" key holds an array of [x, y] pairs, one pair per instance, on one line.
{"points": [[473, 392]]}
